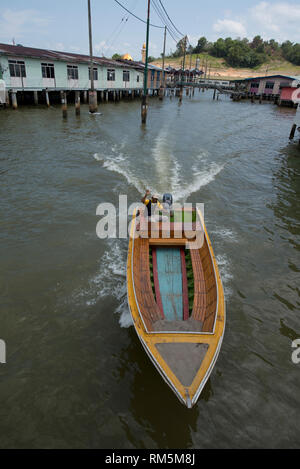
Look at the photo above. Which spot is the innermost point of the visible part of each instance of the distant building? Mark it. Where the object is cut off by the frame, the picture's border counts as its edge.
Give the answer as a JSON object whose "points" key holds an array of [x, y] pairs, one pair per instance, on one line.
{"points": [[289, 96], [270, 85], [144, 53], [127, 57], [30, 69], [27, 69], [190, 76]]}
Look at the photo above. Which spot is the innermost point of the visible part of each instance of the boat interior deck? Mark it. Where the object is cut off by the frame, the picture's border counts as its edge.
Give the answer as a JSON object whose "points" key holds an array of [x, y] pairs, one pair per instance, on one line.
{"points": [[161, 281]]}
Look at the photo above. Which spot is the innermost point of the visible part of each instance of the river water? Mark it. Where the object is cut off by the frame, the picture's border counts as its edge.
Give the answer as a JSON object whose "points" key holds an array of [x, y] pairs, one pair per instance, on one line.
{"points": [[76, 375]]}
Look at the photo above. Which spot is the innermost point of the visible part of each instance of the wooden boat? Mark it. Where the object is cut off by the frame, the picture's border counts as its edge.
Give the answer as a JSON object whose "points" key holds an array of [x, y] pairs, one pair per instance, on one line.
{"points": [[176, 300]]}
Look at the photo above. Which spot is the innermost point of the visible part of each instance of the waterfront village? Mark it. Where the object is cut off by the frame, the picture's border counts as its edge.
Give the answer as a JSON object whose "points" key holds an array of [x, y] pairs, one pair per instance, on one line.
{"points": [[31, 76]]}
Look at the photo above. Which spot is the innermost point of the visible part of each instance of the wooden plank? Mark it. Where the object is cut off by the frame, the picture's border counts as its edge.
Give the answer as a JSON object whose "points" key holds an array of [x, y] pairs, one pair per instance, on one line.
{"points": [[185, 296], [167, 241], [156, 282]]}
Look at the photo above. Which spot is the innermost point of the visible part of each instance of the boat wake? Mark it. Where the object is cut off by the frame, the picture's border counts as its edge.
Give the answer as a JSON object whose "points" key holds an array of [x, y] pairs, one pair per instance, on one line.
{"points": [[111, 280], [169, 175], [225, 273]]}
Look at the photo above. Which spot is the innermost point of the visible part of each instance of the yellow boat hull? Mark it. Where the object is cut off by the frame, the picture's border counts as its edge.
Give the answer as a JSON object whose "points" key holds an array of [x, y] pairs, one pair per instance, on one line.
{"points": [[174, 353]]}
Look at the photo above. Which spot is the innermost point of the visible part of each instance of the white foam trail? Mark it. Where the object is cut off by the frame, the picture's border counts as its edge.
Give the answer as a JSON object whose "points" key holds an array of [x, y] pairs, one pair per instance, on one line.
{"points": [[112, 271], [115, 166], [98, 157], [111, 281], [225, 234], [125, 316], [226, 276], [199, 179], [163, 162]]}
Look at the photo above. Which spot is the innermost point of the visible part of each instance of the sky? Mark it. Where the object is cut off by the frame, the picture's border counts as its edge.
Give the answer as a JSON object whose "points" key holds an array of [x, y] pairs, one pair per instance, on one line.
{"points": [[63, 25]]}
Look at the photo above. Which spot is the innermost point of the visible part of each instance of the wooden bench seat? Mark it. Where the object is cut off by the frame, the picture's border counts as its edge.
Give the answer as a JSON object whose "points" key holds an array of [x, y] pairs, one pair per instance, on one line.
{"points": [[142, 283]]}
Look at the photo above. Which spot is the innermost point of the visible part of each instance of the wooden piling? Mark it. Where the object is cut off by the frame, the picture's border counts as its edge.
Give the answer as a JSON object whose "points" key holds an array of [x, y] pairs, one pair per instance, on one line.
{"points": [[144, 109], [64, 104], [292, 133], [47, 98], [180, 94], [35, 98], [93, 105], [14, 101], [214, 97], [77, 103]]}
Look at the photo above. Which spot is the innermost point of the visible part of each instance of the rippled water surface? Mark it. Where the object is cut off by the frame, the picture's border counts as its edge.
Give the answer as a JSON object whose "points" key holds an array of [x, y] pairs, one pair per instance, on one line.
{"points": [[76, 374]]}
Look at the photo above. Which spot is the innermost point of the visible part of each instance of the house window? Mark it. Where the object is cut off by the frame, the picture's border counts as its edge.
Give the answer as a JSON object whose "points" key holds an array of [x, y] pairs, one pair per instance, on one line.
{"points": [[48, 71], [111, 74], [158, 76], [284, 84], [72, 71], [95, 70], [269, 85], [126, 75], [138, 78], [152, 75], [17, 68], [255, 85]]}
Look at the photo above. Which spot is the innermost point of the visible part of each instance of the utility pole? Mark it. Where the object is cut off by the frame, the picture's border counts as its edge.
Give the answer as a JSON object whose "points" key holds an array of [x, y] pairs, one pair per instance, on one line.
{"points": [[206, 66], [190, 66], [144, 97], [92, 92], [183, 67], [162, 86]]}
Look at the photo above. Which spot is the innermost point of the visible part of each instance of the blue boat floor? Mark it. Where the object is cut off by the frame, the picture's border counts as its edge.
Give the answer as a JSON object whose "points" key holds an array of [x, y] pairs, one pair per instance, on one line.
{"points": [[170, 282]]}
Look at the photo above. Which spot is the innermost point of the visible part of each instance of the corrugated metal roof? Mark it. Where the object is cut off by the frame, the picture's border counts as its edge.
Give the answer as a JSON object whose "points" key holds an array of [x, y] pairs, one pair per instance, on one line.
{"points": [[291, 77], [46, 54]]}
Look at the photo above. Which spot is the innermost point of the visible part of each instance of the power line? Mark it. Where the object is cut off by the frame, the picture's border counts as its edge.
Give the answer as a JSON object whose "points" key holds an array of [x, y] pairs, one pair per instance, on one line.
{"points": [[162, 16], [170, 18], [140, 19]]}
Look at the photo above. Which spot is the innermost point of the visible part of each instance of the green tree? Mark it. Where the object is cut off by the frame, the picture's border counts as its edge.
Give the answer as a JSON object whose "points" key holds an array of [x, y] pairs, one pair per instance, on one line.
{"points": [[257, 43], [219, 48], [180, 46], [116, 56], [201, 45]]}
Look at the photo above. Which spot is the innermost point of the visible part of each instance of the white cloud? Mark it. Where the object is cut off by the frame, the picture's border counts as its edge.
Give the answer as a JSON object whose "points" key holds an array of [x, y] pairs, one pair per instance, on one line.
{"points": [[16, 23], [103, 48], [230, 27], [276, 20], [280, 20]]}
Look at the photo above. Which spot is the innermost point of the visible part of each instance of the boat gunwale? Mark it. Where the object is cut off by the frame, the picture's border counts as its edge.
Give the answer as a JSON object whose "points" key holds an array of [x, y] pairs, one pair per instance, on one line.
{"points": [[216, 282]]}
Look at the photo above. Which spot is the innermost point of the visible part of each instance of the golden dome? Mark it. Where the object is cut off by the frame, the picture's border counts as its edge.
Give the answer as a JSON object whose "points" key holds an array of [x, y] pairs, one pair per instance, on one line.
{"points": [[127, 57], [144, 45]]}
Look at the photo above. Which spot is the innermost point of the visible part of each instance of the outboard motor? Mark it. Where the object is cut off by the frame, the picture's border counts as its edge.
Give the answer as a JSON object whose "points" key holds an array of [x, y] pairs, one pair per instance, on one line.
{"points": [[167, 203], [168, 199]]}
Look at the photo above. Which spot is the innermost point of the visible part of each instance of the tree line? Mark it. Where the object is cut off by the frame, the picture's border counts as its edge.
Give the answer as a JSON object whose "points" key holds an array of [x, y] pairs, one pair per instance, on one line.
{"points": [[242, 52]]}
